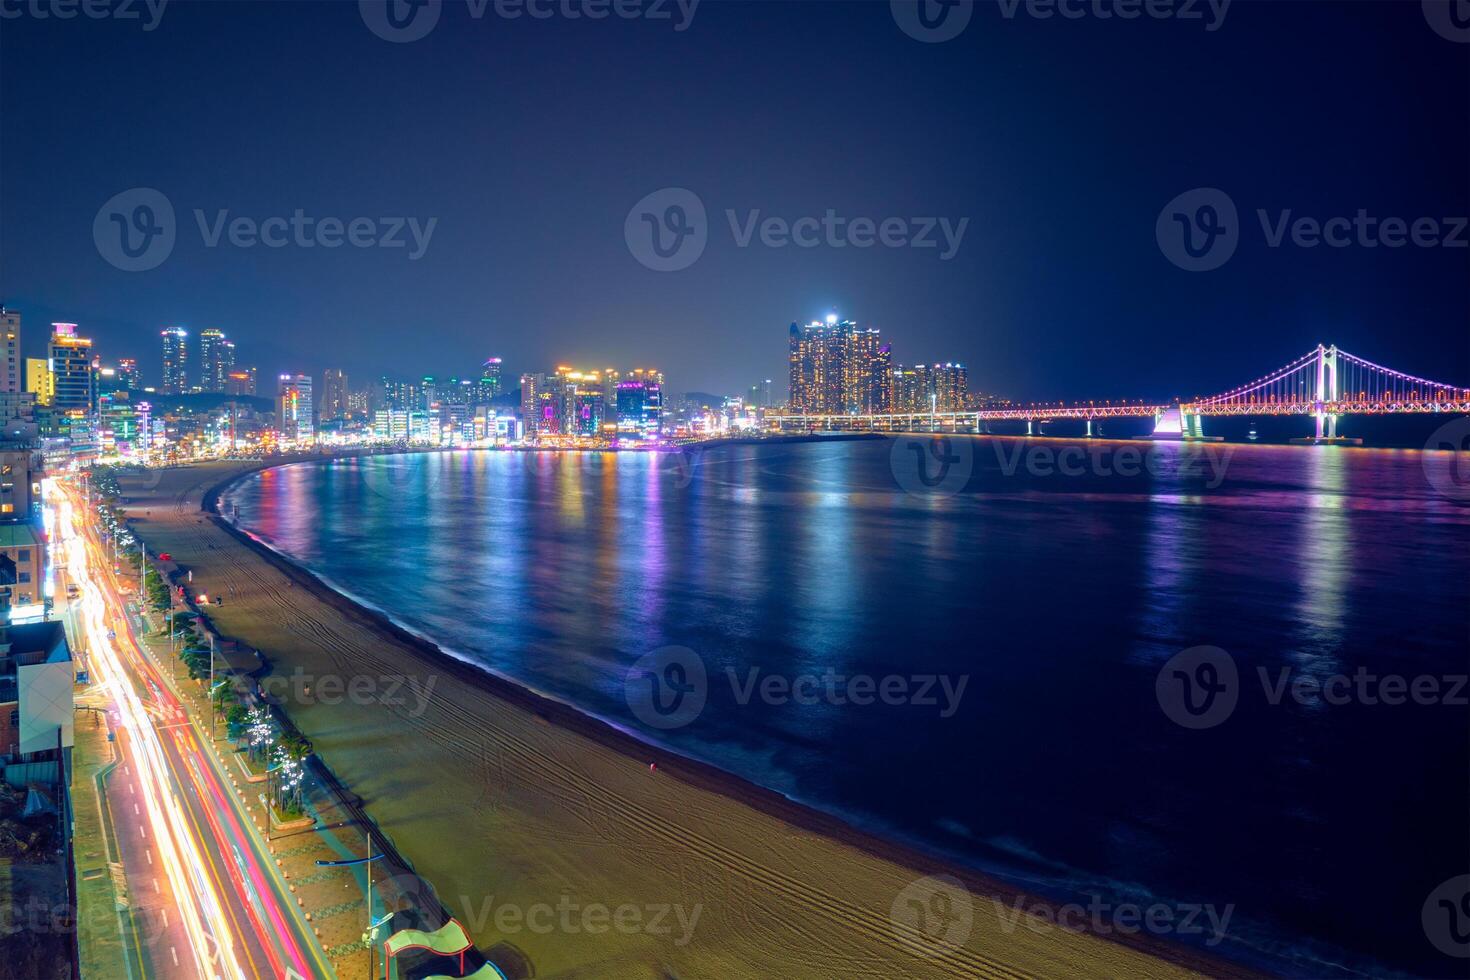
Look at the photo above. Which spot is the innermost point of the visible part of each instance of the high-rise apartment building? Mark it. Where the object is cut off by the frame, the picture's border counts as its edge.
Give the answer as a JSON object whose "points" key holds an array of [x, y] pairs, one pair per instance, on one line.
{"points": [[38, 379], [533, 386], [216, 360], [332, 399], [74, 386], [175, 361], [127, 372], [839, 368], [295, 418], [930, 388], [490, 381], [10, 370]]}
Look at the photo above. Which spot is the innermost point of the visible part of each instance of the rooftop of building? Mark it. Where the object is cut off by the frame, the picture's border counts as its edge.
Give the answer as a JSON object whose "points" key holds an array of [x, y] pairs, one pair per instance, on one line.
{"points": [[19, 535], [36, 643]]}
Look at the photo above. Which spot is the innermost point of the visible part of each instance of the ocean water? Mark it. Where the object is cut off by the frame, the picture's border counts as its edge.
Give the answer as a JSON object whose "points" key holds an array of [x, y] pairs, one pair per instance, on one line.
{"points": [[995, 657]]}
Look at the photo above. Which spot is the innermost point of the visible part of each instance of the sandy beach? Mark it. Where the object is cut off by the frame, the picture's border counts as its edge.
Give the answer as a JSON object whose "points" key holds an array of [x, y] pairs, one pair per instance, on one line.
{"points": [[502, 799]]}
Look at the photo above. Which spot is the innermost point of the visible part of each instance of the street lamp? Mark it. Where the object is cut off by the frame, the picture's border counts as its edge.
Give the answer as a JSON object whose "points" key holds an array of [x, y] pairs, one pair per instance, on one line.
{"points": [[372, 927]]}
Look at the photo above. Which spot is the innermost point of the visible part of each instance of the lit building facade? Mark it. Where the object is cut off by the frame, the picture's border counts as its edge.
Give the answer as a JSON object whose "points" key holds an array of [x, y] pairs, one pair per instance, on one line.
{"points": [[490, 380], [839, 368], [10, 369], [295, 417], [931, 388], [127, 371], [241, 382], [73, 384], [175, 361], [216, 360], [332, 399], [38, 379]]}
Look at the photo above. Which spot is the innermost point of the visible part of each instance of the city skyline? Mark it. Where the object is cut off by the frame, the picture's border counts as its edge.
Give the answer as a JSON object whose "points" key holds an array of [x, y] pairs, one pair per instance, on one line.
{"points": [[1047, 267]]}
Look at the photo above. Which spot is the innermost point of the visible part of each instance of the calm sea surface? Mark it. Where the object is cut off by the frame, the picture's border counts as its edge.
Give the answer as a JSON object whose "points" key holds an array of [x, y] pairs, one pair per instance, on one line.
{"points": [[1058, 598]]}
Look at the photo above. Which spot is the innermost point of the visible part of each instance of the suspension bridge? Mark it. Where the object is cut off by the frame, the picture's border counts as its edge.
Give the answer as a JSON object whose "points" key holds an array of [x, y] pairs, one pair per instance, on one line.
{"points": [[1323, 384]]}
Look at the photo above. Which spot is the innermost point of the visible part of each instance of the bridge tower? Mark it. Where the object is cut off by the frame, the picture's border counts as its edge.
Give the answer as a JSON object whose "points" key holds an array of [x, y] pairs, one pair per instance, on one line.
{"points": [[1328, 391]]}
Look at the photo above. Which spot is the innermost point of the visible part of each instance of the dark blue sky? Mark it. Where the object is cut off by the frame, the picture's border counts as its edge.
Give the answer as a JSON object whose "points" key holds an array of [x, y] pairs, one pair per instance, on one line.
{"points": [[530, 140]]}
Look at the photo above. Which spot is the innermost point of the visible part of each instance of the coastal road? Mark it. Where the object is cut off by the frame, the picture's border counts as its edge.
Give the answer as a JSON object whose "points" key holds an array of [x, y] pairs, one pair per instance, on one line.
{"points": [[206, 896]]}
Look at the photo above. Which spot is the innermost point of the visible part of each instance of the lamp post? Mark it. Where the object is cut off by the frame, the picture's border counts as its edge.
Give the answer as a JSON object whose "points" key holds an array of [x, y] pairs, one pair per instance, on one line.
{"points": [[372, 929]]}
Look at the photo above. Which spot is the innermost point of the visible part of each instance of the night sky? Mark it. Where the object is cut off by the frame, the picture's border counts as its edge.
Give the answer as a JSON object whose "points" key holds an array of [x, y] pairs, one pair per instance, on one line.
{"points": [[530, 140]]}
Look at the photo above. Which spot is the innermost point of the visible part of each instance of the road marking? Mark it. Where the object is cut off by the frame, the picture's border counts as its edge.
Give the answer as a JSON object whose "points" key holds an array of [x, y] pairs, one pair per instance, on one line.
{"points": [[141, 832], [135, 809], [174, 955], [149, 855], [163, 910], [155, 886]]}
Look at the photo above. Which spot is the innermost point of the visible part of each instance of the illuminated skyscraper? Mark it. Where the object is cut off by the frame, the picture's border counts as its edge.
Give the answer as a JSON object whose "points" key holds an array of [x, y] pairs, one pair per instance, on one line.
{"points": [[533, 386], [127, 370], [332, 400], [71, 370], [216, 359], [838, 368], [10, 370], [930, 388], [490, 383], [175, 361], [295, 419]]}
